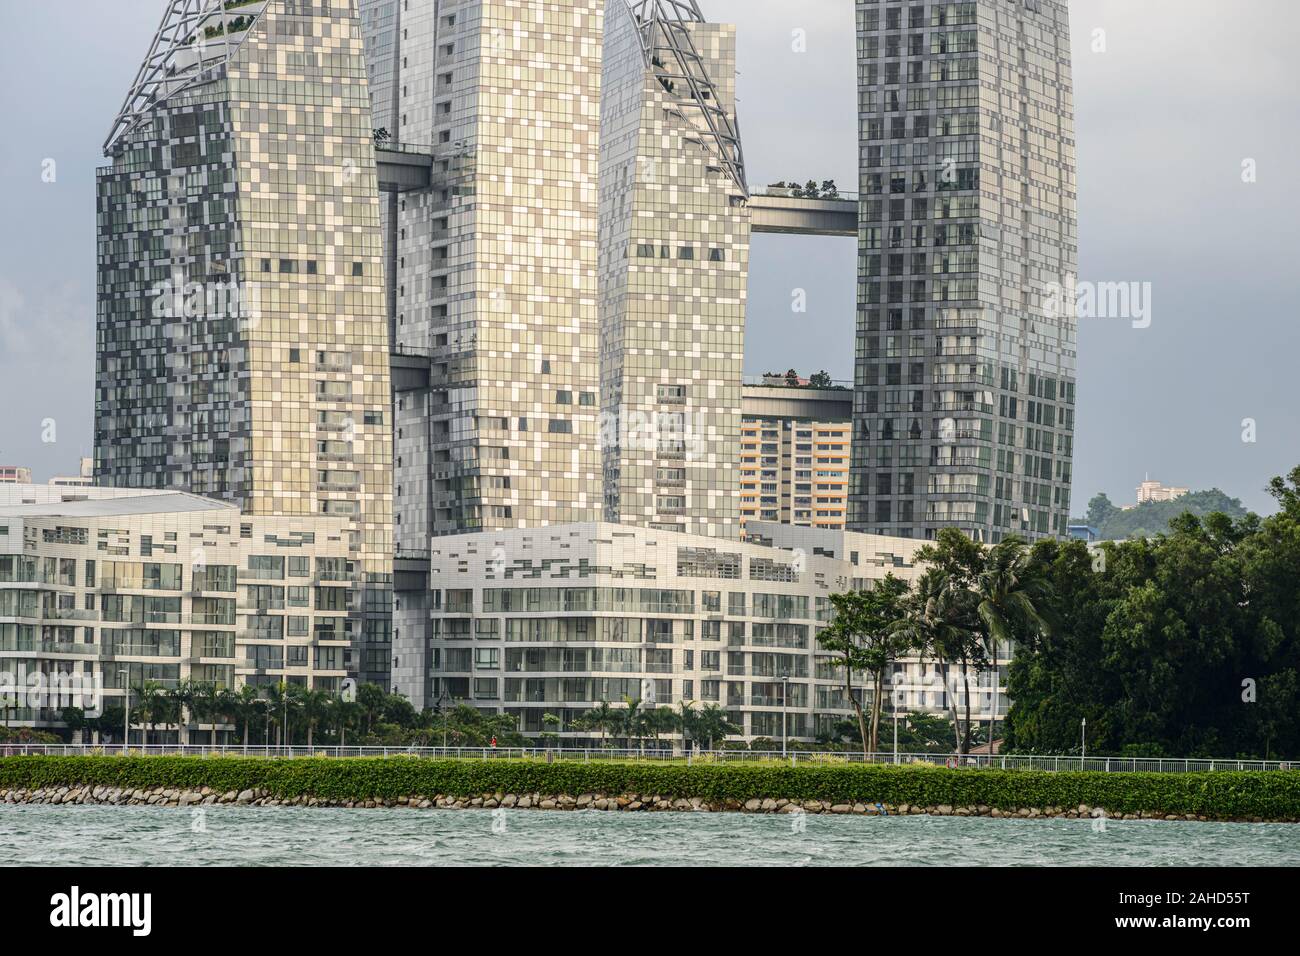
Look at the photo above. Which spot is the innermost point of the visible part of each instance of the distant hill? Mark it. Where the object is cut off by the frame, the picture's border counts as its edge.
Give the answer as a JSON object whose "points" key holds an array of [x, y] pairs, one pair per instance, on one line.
{"points": [[1153, 517]]}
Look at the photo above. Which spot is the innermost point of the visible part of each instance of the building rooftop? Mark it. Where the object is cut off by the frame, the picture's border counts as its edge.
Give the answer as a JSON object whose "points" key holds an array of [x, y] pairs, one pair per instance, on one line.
{"points": [[53, 501]]}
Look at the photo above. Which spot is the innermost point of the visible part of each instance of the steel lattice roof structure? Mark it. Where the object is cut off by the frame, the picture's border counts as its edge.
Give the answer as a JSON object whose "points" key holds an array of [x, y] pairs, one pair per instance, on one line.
{"points": [[182, 55], [669, 49]]}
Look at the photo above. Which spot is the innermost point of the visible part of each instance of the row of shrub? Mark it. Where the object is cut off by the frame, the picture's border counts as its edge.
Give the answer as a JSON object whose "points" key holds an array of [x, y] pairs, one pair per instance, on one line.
{"points": [[1226, 794]]}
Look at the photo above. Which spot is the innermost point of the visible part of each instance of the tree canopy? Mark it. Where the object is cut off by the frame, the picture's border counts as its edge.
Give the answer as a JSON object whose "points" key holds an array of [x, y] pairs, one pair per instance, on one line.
{"points": [[1154, 517], [1186, 644]]}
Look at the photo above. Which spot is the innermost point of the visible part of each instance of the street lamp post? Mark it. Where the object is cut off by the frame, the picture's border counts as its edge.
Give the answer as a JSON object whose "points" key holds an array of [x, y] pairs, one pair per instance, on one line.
{"points": [[785, 697], [442, 699], [894, 708], [1083, 742], [993, 703], [126, 718]]}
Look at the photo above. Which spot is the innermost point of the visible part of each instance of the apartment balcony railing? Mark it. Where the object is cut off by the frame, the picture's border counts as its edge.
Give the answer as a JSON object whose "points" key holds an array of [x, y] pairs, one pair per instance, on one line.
{"points": [[950, 516], [48, 647], [957, 325], [69, 614], [765, 673], [955, 490]]}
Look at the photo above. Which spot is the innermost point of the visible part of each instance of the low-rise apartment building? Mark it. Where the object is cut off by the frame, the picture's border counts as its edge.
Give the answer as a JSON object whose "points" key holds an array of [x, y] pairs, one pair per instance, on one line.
{"points": [[105, 589], [546, 623]]}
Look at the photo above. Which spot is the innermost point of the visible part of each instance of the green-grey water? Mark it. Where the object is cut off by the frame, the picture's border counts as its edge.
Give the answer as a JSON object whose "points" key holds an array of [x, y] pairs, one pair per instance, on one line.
{"points": [[42, 835]]}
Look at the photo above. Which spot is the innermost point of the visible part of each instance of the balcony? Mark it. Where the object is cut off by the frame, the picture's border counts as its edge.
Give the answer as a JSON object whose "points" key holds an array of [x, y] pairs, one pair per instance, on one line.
{"points": [[949, 491], [48, 647], [69, 614], [963, 462]]}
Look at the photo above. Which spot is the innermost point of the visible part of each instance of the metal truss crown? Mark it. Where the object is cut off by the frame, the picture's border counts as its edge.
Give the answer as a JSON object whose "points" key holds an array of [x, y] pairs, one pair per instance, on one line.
{"points": [[669, 49], [191, 47]]}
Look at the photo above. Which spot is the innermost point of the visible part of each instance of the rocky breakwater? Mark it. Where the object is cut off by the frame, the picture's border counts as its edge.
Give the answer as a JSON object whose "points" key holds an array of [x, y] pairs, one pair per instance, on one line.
{"points": [[625, 802]]}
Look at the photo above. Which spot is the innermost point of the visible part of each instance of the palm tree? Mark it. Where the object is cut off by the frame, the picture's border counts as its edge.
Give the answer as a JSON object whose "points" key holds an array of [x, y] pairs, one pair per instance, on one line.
{"points": [[224, 709], [244, 707], [211, 702], [659, 720], [343, 714], [293, 701], [371, 697], [315, 705], [933, 626], [200, 703], [264, 702], [181, 704], [148, 705], [631, 720], [277, 704], [602, 717], [1009, 597], [712, 724], [687, 722], [74, 718]]}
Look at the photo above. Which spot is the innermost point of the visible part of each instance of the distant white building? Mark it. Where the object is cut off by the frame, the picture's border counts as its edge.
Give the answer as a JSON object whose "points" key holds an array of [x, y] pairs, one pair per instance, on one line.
{"points": [[86, 476], [1154, 491], [15, 475]]}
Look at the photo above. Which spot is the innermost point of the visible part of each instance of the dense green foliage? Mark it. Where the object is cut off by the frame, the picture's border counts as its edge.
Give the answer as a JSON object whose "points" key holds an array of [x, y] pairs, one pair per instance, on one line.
{"points": [[1187, 644], [26, 735], [1154, 517], [293, 714], [918, 733], [864, 635], [631, 725], [1274, 795], [963, 613]]}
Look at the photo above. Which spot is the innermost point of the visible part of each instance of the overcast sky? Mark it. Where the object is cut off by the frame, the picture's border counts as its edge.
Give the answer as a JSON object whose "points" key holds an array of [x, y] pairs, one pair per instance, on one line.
{"points": [[1184, 92]]}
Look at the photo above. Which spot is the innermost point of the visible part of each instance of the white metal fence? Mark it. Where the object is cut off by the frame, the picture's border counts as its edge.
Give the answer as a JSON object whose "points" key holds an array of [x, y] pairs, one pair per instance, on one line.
{"points": [[663, 754]]}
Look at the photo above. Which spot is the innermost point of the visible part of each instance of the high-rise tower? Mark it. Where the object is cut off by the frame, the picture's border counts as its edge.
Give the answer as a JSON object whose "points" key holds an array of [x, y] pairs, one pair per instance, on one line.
{"points": [[494, 265], [674, 261], [965, 370], [241, 335]]}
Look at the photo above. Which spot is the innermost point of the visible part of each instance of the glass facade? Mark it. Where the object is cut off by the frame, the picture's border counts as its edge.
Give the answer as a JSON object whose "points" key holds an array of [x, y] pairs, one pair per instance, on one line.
{"points": [[495, 263], [674, 262], [964, 380], [242, 347]]}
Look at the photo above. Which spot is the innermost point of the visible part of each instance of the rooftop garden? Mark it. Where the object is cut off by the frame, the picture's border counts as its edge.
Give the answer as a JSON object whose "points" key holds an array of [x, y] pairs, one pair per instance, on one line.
{"points": [[809, 190]]}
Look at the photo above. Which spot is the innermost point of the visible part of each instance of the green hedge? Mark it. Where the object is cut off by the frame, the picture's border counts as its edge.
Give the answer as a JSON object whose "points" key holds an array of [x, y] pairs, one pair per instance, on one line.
{"points": [[1271, 795]]}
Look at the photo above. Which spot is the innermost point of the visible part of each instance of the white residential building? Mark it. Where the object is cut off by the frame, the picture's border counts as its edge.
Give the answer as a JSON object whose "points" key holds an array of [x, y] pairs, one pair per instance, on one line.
{"points": [[555, 620], [103, 589]]}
